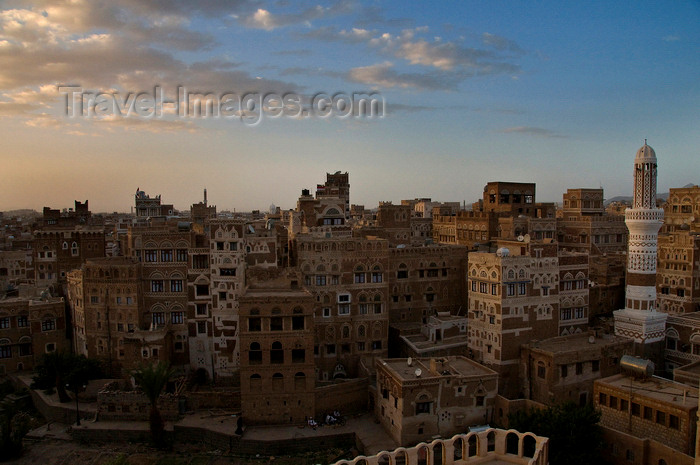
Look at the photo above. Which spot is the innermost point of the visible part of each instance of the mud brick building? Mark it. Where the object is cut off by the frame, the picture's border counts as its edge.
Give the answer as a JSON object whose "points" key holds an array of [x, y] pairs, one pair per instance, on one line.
{"points": [[29, 328], [277, 341], [563, 368], [653, 408], [420, 398]]}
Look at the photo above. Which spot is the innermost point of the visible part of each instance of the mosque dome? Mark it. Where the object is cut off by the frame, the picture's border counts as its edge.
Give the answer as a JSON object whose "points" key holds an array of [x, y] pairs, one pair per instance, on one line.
{"points": [[645, 154]]}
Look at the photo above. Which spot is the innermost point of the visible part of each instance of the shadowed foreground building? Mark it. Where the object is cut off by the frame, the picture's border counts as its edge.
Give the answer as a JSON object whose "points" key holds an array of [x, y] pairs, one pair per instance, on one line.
{"points": [[418, 399], [491, 446], [277, 341]]}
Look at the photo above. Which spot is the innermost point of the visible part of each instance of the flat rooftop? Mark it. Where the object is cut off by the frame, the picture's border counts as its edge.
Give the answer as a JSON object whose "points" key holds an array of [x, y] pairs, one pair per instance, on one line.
{"points": [[659, 389], [575, 343], [454, 366]]}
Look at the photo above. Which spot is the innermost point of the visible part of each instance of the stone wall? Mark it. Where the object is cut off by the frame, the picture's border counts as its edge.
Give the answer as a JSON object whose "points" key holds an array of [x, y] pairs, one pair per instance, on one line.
{"points": [[134, 406], [625, 449], [225, 400], [347, 397], [504, 407]]}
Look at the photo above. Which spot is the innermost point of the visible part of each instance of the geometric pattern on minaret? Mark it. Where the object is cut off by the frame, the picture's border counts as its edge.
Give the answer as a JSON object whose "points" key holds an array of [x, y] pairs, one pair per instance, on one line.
{"points": [[640, 320]]}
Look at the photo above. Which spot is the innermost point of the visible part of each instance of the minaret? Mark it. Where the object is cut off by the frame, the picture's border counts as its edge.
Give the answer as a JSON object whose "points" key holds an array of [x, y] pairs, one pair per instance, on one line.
{"points": [[639, 320]]}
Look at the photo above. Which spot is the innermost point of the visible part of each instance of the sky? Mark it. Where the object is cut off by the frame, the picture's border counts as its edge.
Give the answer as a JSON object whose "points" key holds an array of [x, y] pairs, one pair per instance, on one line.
{"points": [[557, 93]]}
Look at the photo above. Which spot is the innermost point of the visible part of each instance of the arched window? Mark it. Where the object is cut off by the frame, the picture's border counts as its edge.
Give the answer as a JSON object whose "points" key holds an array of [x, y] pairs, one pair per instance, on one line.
{"points": [[255, 354], [299, 381], [276, 353], [278, 382]]}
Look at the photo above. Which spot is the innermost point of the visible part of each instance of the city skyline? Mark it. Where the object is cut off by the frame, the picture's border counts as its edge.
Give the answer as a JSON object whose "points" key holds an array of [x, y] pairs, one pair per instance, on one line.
{"points": [[474, 93]]}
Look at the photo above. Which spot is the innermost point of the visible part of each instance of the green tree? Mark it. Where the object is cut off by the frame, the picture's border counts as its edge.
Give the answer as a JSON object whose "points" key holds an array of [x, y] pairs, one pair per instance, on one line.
{"points": [[56, 369], [575, 438], [151, 379], [14, 425]]}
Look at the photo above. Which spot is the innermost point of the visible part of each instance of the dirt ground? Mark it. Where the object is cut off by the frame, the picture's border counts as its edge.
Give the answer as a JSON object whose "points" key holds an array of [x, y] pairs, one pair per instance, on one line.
{"points": [[61, 452]]}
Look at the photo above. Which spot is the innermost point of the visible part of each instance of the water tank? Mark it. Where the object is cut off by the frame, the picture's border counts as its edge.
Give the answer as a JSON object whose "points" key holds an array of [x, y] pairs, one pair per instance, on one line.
{"points": [[636, 366]]}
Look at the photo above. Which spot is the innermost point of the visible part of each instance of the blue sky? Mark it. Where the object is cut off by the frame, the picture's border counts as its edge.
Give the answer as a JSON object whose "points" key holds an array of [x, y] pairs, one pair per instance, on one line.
{"points": [[557, 93]]}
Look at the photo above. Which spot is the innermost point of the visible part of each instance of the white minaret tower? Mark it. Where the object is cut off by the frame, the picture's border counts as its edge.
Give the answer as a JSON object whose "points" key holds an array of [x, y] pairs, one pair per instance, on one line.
{"points": [[640, 320]]}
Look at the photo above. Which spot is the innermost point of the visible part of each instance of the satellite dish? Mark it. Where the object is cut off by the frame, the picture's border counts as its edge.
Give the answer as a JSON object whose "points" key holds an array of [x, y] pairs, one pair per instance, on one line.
{"points": [[591, 339], [418, 372], [526, 238], [409, 361], [521, 238]]}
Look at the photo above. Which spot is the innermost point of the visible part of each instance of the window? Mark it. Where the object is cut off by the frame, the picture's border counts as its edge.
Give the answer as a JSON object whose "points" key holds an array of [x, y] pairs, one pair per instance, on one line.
{"points": [[648, 413], [376, 345], [613, 402], [201, 289], [483, 288], [479, 401], [201, 327], [181, 255], [4, 323], [222, 295], [343, 309], [119, 300], [510, 290], [276, 323], [603, 399], [636, 409], [579, 368], [94, 299], [201, 309], [158, 318], [376, 277], [565, 372], [359, 278], [156, 285], [6, 351], [297, 323], [176, 285], [402, 274], [541, 370], [298, 355], [673, 422], [129, 300], [276, 353], [48, 325], [595, 365], [545, 290], [166, 255], [320, 280], [423, 407], [22, 321], [492, 319], [254, 324], [330, 349], [522, 288], [494, 289], [254, 354], [177, 318], [25, 349], [624, 405], [360, 346], [326, 312], [227, 271], [661, 417], [150, 255]]}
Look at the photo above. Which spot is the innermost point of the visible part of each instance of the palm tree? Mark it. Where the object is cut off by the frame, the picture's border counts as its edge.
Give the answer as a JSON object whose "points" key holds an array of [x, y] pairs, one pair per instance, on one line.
{"points": [[152, 379]]}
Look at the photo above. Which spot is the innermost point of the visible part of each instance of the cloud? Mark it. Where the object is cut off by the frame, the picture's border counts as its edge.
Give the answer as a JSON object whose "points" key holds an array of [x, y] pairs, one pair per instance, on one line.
{"points": [[294, 53], [108, 45], [533, 131], [264, 19], [383, 75], [495, 58], [671, 38]]}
